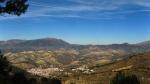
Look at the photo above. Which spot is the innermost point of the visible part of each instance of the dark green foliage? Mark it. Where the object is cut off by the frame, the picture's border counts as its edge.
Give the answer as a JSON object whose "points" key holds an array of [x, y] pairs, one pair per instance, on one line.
{"points": [[3, 63], [50, 81], [14, 7], [44, 81], [19, 78], [32, 81], [6, 74], [120, 78], [4, 69], [56, 81]]}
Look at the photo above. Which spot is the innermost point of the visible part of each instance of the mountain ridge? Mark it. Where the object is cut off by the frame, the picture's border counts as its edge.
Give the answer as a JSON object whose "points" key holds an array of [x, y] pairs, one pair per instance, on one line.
{"points": [[53, 43]]}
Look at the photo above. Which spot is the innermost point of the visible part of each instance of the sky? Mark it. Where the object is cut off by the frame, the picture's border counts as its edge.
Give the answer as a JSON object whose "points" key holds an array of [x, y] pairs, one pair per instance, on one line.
{"points": [[81, 21]]}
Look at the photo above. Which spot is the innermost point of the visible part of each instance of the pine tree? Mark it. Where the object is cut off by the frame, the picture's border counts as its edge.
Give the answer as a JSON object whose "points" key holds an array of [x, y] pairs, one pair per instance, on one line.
{"points": [[14, 7]]}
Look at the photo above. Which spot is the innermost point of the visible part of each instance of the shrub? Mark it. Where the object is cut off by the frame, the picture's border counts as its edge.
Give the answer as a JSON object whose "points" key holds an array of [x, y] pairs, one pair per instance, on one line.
{"points": [[121, 78]]}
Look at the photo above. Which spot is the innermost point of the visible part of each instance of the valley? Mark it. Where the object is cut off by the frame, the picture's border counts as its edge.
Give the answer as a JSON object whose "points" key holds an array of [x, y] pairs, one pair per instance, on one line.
{"points": [[79, 64]]}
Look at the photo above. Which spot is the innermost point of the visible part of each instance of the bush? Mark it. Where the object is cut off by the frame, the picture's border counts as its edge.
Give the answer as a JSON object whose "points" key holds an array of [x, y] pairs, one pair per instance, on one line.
{"points": [[4, 69], [19, 78], [120, 78], [50, 81]]}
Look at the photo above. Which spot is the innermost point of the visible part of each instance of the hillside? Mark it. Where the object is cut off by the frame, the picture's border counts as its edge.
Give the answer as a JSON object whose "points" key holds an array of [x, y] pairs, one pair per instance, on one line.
{"points": [[136, 64], [65, 57], [145, 43], [17, 45]]}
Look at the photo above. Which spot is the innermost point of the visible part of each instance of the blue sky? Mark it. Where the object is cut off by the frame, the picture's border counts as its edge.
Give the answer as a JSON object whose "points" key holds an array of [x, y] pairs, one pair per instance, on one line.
{"points": [[81, 21]]}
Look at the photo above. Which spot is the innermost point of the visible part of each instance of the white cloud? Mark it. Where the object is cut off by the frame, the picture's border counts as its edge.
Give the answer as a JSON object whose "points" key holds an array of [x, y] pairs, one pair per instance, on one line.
{"points": [[90, 9], [145, 3]]}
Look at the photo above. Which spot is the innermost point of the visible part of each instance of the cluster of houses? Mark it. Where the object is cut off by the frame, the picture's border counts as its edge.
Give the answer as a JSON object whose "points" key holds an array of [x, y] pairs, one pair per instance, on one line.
{"points": [[84, 69], [48, 72], [44, 72]]}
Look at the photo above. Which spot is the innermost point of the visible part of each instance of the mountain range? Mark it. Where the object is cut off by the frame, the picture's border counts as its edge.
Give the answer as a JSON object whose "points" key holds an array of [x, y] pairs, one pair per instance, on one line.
{"points": [[21, 45], [53, 43]]}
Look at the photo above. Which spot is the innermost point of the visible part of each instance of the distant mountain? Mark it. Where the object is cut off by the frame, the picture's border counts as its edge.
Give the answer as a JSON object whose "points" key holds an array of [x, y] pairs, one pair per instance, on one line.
{"points": [[44, 43], [145, 43], [53, 43]]}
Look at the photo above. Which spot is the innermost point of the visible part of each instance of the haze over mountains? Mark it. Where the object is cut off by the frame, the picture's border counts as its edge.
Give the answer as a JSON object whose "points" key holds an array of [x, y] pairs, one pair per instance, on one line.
{"points": [[53, 43]]}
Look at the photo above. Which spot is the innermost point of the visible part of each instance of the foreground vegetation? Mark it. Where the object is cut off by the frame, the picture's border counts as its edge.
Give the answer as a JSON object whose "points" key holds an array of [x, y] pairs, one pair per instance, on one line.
{"points": [[121, 78]]}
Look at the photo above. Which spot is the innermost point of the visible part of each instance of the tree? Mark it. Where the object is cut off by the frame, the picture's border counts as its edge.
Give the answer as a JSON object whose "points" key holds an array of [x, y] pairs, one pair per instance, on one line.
{"points": [[4, 65], [19, 78], [50, 81], [4, 69], [14, 7], [121, 78]]}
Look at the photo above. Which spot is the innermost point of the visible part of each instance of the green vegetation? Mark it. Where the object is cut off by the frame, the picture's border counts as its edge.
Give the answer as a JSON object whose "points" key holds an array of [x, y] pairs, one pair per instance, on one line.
{"points": [[40, 62]]}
